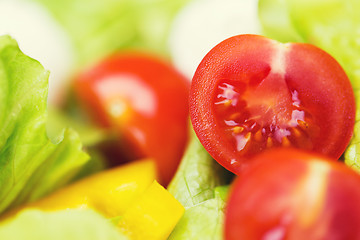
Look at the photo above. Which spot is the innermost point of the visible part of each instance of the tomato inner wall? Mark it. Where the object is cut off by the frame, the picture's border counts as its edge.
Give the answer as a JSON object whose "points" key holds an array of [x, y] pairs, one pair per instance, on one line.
{"points": [[263, 115]]}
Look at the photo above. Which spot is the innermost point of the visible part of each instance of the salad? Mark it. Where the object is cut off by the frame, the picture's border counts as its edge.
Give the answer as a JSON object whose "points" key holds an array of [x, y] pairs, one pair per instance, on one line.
{"points": [[168, 121]]}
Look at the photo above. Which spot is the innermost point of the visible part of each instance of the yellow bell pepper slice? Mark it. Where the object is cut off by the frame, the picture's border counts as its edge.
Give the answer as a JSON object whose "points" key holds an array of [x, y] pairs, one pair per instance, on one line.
{"points": [[109, 192], [129, 193], [152, 216]]}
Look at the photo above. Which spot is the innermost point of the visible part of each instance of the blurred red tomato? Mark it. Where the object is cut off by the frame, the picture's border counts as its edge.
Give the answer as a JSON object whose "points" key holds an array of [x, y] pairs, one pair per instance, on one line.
{"points": [[290, 194], [145, 100]]}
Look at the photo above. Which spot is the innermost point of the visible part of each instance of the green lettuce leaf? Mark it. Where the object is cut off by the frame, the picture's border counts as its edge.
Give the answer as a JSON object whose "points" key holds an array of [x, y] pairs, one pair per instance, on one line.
{"points": [[98, 28], [89, 134], [31, 164], [352, 153], [276, 21], [198, 186], [69, 225], [204, 221], [334, 26], [197, 176]]}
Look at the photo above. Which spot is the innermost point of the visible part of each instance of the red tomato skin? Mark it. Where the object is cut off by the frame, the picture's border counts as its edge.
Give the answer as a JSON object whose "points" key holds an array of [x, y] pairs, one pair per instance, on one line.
{"points": [[156, 100], [317, 79], [293, 195]]}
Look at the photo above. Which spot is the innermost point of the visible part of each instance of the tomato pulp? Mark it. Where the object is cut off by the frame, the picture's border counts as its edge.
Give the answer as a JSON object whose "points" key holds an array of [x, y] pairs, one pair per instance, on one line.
{"points": [[145, 100], [291, 194], [252, 93]]}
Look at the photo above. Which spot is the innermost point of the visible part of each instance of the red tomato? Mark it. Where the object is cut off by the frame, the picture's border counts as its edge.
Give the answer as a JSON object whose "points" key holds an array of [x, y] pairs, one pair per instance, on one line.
{"points": [[145, 100], [289, 194], [252, 93]]}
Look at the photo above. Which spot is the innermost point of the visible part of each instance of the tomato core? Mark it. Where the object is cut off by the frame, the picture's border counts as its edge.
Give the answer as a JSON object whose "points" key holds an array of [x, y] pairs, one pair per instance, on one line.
{"points": [[262, 115]]}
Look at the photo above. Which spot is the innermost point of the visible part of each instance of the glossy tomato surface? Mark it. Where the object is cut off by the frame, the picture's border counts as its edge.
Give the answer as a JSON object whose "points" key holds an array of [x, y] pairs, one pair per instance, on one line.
{"points": [[252, 93], [145, 100], [294, 195]]}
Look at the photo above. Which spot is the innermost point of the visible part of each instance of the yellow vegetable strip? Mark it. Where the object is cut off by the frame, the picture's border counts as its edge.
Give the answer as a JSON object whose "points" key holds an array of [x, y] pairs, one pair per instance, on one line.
{"points": [[109, 192], [152, 216]]}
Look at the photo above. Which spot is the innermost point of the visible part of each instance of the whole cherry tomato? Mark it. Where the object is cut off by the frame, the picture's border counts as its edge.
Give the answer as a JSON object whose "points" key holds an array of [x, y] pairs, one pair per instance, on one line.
{"points": [[291, 194], [145, 100], [252, 93]]}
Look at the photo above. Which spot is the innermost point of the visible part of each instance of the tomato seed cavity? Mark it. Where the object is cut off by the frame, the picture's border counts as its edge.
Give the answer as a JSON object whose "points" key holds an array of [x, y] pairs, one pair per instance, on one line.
{"points": [[256, 118]]}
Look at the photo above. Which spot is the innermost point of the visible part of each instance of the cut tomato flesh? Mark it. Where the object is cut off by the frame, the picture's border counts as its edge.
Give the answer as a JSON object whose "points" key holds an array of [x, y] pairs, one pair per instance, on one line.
{"points": [[263, 115], [251, 93]]}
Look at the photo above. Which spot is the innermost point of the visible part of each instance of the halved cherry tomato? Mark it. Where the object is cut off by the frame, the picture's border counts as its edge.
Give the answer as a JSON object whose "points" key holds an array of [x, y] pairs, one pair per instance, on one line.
{"points": [[146, 100], [291, 194], [252, 93]]}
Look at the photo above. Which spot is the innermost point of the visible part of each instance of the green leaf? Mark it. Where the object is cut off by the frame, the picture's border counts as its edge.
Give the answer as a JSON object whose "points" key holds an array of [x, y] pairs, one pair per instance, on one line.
{"points": [[197, 176], [352, 153], [31, 165], [204, 221], [89, 134], [197, 186], [276, 21], [69, 225], [98, 28]]}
